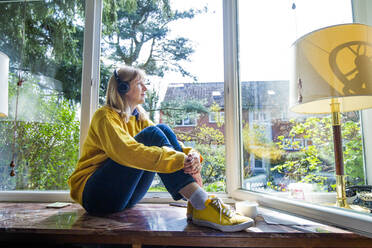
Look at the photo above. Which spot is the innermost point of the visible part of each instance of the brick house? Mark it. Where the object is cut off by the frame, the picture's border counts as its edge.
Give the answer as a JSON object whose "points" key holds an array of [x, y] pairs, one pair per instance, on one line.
{"points": [[208, 93], [264, 102]]}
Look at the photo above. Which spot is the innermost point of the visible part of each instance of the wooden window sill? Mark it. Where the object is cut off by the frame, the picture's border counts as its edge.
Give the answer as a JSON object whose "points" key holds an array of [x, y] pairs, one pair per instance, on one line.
{"points": [[156, 224]]}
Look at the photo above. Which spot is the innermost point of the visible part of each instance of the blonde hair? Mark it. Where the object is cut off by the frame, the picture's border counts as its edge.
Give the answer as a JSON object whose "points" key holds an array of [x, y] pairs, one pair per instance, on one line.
{"points": [[119, 102]]}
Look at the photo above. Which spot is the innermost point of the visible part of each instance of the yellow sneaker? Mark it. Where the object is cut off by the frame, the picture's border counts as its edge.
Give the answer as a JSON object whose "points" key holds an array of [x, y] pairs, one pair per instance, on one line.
{"points": [[219, 216]]}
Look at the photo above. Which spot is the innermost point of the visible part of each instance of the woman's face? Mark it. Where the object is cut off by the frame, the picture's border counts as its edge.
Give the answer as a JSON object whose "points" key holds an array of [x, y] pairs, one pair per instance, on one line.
{"points": [[136, 94]]}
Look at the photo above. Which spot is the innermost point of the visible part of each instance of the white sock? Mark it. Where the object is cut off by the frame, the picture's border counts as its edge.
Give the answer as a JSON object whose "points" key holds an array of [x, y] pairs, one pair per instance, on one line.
{"points": [[198, 198]]}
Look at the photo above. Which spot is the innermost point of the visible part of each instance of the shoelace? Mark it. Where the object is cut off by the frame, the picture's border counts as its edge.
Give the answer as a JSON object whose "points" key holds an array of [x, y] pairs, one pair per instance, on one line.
{"points": [[224, 209]]}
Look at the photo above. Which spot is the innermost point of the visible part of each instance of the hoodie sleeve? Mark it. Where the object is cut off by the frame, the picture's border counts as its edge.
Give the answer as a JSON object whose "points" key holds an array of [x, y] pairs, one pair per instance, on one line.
{"points": [[125, 150]]}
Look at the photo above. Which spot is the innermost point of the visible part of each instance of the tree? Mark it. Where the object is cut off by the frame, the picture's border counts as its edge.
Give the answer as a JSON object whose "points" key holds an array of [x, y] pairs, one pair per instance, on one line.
{"points": [[137, 33], [151, 103], [144, 24], [51, 44]]}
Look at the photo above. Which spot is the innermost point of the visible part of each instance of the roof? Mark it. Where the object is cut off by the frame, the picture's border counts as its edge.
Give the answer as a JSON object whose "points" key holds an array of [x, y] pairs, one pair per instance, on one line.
{"points": [[255, 94]]}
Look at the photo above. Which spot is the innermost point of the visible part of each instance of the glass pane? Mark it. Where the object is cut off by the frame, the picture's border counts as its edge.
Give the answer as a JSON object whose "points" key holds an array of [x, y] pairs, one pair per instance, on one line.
{"points": [[212, 117], [44, 43], [216, 117], [174, 42], [286, 153]]}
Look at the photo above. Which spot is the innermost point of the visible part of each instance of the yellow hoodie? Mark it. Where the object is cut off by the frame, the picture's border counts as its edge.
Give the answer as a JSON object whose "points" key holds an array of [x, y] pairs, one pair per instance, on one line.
{"points": [[110, 137]]}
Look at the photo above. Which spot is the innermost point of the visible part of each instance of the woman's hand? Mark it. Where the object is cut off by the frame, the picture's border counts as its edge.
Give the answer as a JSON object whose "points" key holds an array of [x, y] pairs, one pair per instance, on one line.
{"points": [[192, 163], [193, 167]]}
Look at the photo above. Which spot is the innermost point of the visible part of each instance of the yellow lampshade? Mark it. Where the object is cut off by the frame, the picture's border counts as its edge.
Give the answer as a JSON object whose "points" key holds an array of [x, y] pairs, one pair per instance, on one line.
{"points": [[4, 68], [332, 63]]}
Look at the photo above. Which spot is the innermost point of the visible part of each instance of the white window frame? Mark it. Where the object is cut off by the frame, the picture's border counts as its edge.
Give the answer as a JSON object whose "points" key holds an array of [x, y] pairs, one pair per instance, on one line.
{"points": [[91, 65], [362, 13], [360, 223]]}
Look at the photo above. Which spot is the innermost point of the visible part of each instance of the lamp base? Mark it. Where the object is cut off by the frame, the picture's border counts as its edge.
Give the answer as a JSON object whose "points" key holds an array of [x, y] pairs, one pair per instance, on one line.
{"points": [[341, 192], [341, 201]]}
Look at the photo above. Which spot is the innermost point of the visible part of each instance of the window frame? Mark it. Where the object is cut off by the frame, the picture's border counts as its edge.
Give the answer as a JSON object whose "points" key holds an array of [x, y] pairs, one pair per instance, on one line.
{"points": [[91, 64], [90, 86], [361, 9]]}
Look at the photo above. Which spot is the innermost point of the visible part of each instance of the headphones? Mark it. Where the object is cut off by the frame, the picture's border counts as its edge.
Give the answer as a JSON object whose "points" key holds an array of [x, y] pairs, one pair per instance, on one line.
{"points": [[123, 86]]}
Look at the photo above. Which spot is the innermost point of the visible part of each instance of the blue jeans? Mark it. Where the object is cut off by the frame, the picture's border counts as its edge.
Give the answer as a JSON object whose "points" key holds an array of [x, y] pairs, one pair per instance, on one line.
{"points": [[114, 187]]}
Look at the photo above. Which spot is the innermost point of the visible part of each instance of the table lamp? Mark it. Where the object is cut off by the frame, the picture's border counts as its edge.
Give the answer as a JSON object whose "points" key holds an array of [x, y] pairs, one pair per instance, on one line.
{"points": [[332, 73], [4, 68]]}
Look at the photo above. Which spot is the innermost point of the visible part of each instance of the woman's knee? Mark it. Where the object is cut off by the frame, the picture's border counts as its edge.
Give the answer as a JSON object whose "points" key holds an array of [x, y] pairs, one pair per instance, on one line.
{"points": [[152, 136], [149, 132], [171, 136], [165, 128], [162, 126], [150, 129], [160, 129]]}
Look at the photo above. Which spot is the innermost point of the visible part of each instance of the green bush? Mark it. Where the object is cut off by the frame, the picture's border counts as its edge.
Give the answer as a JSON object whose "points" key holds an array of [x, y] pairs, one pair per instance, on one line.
{"points": [[213, 169], [313, 162], [45, 152]]}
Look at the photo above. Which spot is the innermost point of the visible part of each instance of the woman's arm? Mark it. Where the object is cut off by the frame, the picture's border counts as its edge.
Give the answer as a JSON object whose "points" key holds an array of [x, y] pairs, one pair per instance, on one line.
{"points": [[124, 149]]}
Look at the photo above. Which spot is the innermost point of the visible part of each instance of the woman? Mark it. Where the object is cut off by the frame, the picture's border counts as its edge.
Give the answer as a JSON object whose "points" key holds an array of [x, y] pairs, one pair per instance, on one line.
{"points": [[124, 150]]}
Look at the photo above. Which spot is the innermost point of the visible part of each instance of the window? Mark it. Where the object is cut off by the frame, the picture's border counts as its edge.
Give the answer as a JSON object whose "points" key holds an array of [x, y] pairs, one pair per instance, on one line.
{"points": [[263, 110], [306, 163], [189, 121], [43, 40], [273, 141], [215, 117]]}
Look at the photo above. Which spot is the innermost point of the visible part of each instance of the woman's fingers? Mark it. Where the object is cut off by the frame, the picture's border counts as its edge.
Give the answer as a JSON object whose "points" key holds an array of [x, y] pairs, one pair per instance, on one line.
{"points": [[192, 164], [190, 170], [195, 168]]}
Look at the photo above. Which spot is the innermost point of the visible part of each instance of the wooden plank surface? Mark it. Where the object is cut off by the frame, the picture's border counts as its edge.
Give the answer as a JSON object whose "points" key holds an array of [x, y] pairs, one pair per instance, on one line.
{"points": [[159, 224]]}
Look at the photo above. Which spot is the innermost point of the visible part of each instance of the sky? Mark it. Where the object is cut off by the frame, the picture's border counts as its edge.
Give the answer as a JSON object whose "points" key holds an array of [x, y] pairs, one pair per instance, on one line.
{"points": [[206, 32], [267, 29]]}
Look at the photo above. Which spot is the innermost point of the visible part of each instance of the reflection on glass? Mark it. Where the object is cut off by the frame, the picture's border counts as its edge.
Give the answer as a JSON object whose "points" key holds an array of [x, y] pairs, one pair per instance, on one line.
{"points": [[43, 40]]}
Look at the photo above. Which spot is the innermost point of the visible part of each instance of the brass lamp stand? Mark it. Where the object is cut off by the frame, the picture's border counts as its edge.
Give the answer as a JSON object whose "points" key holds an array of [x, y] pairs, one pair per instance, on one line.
{"points": [[339, 161]]}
